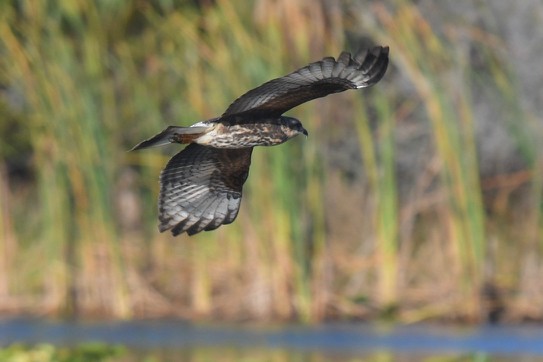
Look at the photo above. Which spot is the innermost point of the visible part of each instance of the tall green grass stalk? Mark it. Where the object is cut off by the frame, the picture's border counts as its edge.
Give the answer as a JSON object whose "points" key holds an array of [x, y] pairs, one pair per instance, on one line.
{"points": [[377, 151]]}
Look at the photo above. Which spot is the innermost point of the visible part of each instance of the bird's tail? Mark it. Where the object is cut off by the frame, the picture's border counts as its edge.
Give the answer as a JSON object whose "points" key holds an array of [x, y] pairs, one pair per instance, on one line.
{"points": [[172, 134]]}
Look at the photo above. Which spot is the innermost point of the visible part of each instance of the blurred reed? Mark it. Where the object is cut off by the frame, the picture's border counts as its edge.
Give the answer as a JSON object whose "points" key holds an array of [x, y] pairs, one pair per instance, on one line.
{"points": [[423, 57], [92, 79]]}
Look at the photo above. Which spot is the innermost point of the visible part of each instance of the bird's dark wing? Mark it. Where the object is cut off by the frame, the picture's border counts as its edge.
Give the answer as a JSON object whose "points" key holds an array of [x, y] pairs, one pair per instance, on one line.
{"points": [[313, 81], [200, 188]]}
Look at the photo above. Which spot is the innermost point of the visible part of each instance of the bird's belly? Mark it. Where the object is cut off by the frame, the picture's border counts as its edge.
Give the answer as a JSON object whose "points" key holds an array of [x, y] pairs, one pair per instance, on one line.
{"points": [[239, 136]]}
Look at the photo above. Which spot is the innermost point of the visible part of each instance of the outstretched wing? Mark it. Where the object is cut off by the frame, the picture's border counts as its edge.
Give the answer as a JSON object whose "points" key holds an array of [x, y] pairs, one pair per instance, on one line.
{"points": [[200, 188], [313, 81]]}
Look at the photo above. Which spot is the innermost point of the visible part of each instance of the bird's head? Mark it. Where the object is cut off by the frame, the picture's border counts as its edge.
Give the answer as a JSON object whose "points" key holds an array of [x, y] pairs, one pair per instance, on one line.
{"points": [[293, 126]]}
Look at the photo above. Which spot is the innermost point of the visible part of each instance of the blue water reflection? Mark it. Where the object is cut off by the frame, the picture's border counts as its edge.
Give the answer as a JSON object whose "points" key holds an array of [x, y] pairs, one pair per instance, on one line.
{"points": [[352, 338]]}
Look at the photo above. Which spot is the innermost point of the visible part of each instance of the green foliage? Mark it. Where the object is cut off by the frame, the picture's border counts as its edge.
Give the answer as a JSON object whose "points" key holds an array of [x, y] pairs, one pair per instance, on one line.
{"points": [[82, 82], [95, 352]]}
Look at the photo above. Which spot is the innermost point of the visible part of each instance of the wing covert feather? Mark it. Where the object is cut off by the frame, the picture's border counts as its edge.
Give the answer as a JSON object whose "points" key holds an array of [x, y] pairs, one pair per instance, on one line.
{"points": [[201, 188], [315, 80]]}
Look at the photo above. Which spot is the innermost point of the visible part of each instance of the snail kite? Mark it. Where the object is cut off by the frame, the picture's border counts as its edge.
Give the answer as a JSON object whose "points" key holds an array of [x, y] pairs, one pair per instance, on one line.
{"points": [[200, 188]]}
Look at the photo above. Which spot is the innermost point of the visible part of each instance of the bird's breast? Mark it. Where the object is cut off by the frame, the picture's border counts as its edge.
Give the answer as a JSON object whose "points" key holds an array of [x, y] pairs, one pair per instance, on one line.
{"points": [[244, 135]]}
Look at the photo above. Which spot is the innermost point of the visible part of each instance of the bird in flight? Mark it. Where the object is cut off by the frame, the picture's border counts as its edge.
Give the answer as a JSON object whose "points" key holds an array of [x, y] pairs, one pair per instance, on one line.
{"points": [[201, 186]]}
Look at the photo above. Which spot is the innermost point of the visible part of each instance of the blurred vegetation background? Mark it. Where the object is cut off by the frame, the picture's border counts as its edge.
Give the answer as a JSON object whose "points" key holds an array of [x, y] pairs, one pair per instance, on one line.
{"points": [[417, 199]]}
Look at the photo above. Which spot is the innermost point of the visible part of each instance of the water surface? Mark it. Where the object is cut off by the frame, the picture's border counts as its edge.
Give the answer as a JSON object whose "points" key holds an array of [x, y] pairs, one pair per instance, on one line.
{"points": [[338, 342]]}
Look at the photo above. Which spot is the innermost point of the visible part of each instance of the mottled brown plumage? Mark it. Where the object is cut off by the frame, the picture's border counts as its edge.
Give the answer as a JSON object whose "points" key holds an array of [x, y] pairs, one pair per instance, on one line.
{"points": [[201, 186]]}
